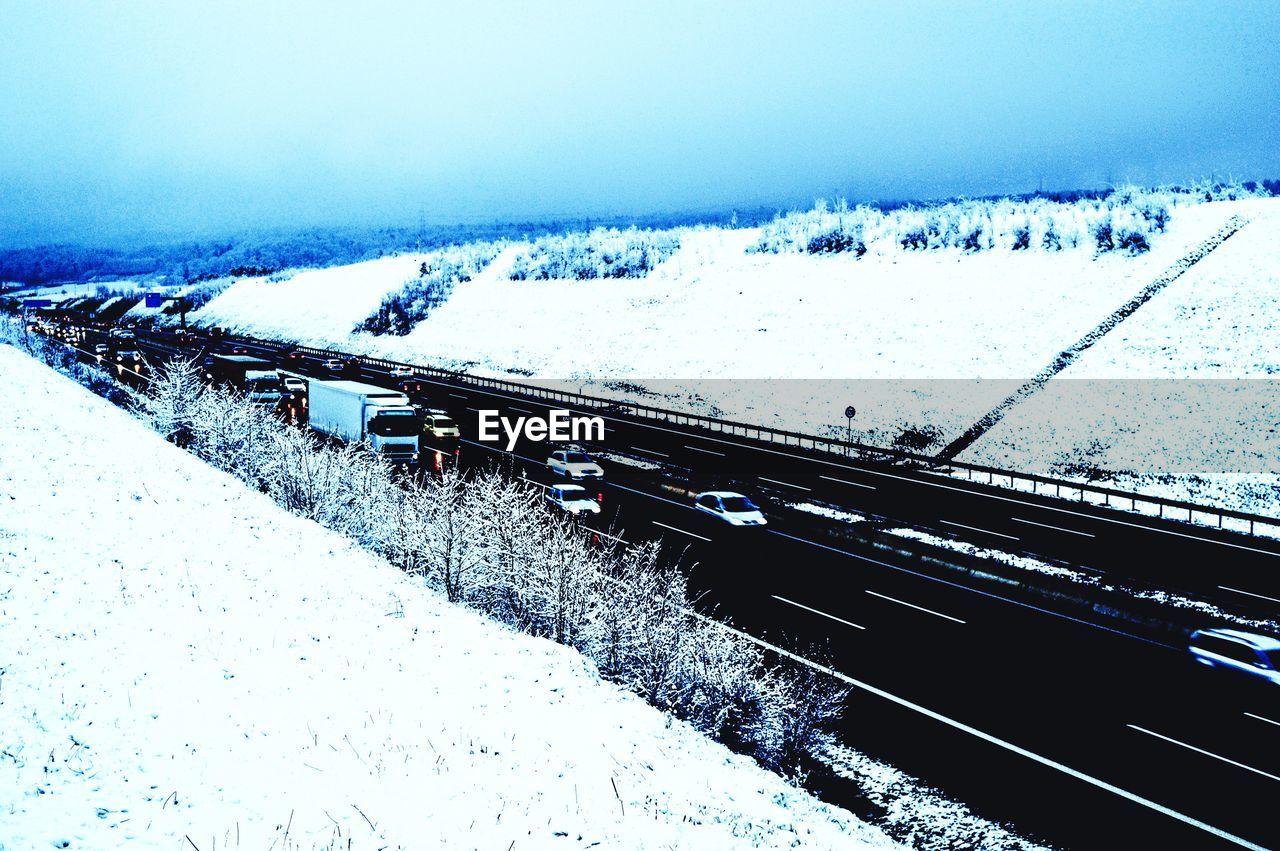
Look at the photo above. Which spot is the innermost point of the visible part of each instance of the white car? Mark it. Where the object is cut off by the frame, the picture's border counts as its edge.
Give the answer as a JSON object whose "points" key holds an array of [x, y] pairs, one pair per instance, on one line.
{"points": [[295, 385], [438, 424], [574, 499], [733, 508], [101, 350], [1235, 650], [401, 372], [574, 464]]}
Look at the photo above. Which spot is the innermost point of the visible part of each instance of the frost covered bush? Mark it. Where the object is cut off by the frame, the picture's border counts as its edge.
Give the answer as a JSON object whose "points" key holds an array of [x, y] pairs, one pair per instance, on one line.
{"points": [[437, 276], [1124, 220], [601, 253], [489, 542], [819, 231]]}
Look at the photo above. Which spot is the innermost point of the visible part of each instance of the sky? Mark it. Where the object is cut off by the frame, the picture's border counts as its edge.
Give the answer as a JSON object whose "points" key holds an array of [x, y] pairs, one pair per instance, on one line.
{"points": [[122, 117]]}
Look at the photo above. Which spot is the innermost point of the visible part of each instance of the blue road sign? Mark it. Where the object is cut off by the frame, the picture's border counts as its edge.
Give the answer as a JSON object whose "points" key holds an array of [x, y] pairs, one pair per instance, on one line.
{"points": [[155, 300], [33, 303]]}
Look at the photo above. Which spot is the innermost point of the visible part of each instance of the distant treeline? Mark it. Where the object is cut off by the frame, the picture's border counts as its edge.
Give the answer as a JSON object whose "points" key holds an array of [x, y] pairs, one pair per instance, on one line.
{"points": [[266, 252], [261, 253]]}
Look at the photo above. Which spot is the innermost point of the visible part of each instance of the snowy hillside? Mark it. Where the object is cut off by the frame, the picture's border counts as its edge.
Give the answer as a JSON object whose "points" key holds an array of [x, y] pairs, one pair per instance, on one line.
{"points": [[1212, 432], [187, 660], [725, 327]]}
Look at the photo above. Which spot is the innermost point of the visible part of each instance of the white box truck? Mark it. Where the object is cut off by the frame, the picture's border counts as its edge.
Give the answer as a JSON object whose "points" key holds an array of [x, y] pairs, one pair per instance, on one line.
{"points": [[363, 413]]}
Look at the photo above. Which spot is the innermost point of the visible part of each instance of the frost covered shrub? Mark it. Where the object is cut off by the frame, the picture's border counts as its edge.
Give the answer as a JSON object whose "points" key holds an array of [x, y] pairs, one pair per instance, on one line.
{"points": [[1127, 219], [401, 311], [601, 253], [819, 231], [489, 542]]}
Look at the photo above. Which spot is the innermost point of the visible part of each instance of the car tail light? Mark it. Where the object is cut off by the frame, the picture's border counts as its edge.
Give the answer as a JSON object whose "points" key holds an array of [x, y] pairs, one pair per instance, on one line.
{"points": [[600, 497]]}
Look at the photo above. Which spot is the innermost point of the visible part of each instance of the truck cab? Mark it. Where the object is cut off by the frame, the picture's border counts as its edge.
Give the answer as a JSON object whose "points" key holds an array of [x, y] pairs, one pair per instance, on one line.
{"points": [[263, 387]]}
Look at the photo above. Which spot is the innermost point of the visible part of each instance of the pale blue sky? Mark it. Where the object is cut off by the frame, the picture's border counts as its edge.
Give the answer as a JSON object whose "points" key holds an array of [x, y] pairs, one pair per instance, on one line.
{"points": [[129, 116]]}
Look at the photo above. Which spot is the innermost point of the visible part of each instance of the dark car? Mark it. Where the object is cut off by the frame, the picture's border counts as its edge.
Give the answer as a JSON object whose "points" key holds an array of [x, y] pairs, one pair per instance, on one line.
{"points": [[411, 386]]}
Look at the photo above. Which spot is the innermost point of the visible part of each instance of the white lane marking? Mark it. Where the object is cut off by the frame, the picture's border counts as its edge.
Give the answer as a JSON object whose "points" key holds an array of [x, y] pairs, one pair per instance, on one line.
{"points": [[707, 451], [1055, 528], [788, 484], [983, 531], [650, 452], [1249, 593], [1203, 751], [817, 612], [913, 606], [914, 481], [847, 482], [995, 740], [521, 410], [681, 531], [960, 587], [477, 410], [1261, 718], [459, 396]]}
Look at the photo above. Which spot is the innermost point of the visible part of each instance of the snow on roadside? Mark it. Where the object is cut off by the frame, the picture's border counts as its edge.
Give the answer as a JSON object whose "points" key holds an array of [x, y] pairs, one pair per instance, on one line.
{"points": [[1080, 577], [182, 658], [828, 512]]}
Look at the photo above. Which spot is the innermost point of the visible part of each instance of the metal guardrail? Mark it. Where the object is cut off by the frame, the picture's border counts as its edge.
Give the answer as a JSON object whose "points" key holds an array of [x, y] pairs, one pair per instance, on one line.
{"points": [[1047, 486]]}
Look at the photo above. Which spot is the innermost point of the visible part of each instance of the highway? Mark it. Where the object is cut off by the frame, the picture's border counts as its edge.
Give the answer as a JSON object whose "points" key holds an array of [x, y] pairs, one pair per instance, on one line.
{"points": [[972, 689]]}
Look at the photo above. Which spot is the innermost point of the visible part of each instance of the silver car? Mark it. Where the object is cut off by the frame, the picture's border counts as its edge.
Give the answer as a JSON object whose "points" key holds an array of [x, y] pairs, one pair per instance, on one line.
{"points": [[1234, 650]]}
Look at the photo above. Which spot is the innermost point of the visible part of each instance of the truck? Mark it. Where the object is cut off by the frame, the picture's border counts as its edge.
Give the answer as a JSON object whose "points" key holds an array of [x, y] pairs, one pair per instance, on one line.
{"points": [[354, 412], [254, 377]]}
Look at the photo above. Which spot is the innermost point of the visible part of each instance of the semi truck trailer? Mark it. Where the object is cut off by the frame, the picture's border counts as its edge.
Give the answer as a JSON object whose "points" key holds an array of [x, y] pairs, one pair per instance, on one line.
{"points": [[254, 377], [354, 412]]}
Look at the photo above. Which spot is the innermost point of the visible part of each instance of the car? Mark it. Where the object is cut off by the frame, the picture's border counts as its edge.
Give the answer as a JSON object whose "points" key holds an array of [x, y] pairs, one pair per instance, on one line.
{"points": [[401, 372], [574, 464], [1247, 653], [295, 385], [732, 508], [575, 499], [438, 424], [410, 387], [295, 357], [338, 365], [237, 350], [101, 349]]}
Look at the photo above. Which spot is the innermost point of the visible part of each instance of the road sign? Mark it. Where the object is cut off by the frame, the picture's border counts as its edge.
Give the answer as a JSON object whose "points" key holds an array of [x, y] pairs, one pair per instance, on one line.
{"points": [[155, 300], [850, 412], [34, 303]]}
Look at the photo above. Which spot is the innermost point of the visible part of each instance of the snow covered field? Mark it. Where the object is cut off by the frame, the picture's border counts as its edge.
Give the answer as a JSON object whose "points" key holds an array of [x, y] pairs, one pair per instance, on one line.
{"points": [[180, 658], [721, 330], [713, 310], [1209, 349]]}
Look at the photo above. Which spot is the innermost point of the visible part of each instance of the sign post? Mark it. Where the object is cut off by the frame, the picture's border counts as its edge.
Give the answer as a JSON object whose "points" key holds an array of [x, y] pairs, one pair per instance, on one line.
{"points": [[849, 413]]}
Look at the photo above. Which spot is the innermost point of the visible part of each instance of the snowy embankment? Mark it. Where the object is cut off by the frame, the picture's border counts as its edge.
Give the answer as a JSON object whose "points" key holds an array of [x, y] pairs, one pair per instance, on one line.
{"points": [[181, 658], [1181, 399], [912, 338]]}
